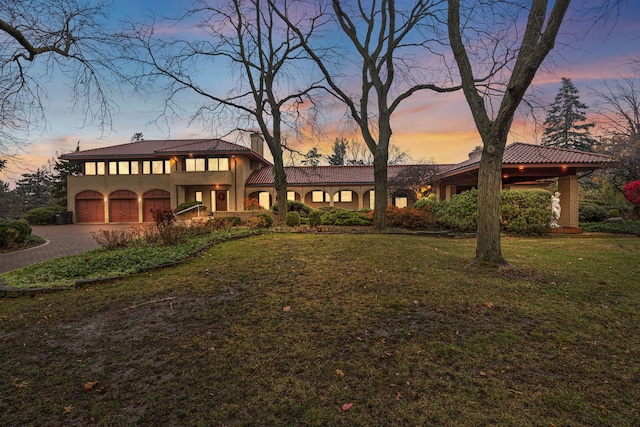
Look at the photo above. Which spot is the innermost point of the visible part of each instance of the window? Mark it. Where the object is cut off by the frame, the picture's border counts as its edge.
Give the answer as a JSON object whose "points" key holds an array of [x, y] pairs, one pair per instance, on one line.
{"points": [[218, 164], [199, 196], [94, 168], [401, 202], [317, 196], [372, 199], [263, 199], [156, 167], [123, 167], [194, 165], [343, 196], [291, 195]]}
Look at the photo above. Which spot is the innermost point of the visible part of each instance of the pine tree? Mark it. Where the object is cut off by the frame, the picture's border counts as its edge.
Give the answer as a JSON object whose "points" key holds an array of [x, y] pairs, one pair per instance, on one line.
{"points": [[61, 170], [566, 123], [34, 189], [339, 152]]}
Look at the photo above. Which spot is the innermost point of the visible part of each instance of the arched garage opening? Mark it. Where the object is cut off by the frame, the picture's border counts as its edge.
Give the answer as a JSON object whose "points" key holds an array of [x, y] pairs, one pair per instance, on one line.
{"points": [[89, 207], [123, 206], [154, 199]]}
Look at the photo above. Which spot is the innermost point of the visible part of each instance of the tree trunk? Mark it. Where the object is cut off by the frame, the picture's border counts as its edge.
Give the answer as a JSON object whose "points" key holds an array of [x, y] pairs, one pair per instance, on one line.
{"points": [[488, 247], [380, 173]]}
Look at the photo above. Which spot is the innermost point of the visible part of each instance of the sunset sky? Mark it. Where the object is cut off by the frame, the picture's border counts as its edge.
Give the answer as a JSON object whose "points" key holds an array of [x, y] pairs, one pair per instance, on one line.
{"points": [[438, 128]]}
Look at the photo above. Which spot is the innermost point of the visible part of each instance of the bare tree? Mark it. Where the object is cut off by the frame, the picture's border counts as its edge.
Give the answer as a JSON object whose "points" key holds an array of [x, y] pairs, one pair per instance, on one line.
{"points": [[357, 153], [518, 56], [390, 47], [40, 39], [619, 108], [248, 39]]}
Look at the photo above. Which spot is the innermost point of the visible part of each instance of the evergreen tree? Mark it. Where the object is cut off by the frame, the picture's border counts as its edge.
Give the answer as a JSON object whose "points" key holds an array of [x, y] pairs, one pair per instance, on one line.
{"points": [[312, 158], [34, 189], [61, 170], [566, 123], [339, 152]]}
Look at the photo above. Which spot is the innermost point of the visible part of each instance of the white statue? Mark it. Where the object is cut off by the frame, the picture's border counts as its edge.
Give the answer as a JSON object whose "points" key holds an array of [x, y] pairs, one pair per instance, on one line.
{"points": [[555, 208]]}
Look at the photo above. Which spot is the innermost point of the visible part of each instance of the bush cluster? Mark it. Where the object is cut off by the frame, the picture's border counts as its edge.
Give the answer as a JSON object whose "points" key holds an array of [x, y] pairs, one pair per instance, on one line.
{"points": [[315, 218], [13, 232], [345, 217], [592, 212], [460, 213], [526, 212], [411, 218], [523, 212], [294, 206], [43, 216]]}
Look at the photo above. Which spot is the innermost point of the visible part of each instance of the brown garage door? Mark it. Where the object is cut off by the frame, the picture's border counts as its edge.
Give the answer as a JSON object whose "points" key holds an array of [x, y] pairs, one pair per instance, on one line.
{"points": [[154, 199], [89, 207], [123, 206]]}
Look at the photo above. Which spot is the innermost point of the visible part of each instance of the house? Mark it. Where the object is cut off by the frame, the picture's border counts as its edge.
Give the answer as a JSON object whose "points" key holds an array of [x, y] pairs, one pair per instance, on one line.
{"points": [[123, 183]]}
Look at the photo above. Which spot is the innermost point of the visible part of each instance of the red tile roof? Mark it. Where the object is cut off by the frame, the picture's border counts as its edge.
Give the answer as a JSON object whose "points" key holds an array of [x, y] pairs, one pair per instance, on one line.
{"points": [[326, 175], [520, 153], [163, 148]]}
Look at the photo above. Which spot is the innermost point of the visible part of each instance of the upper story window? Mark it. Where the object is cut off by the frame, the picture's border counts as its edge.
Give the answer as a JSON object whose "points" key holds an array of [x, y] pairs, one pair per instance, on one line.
{"points": [[94, 168], [218, 164], [156, 167], [123, 167], [201, 164]]}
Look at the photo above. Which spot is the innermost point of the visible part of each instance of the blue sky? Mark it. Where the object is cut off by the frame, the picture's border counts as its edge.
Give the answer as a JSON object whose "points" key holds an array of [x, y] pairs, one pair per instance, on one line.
{"points": [[430, 127]]}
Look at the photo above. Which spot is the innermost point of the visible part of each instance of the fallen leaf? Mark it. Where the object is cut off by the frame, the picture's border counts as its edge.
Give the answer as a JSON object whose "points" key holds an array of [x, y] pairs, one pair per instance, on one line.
{"points": [[68, 409], [488, 304], [347, 406], [339, 373], [398, 396], [600, 407], [287, 308], [483, 374], [90, 385], [17, 384]]}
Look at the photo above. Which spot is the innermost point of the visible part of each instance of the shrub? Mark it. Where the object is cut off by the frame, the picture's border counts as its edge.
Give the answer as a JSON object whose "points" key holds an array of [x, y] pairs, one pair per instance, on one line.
{"points": [[186, 205], [232, 221], [631, 192], [13, 232], [410, 218], [292, 219], [294, 206], [113, 239], [344, 217], [164, 219], [526, 212], [426, 202], [252, 204], [315, 218], [43, 216], [460, 213], [590, 212], [257, 222]]}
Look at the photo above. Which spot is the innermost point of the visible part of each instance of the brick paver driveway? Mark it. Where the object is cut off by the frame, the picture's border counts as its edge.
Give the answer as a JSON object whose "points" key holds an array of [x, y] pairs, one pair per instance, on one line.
{"points": [[62, 240]]}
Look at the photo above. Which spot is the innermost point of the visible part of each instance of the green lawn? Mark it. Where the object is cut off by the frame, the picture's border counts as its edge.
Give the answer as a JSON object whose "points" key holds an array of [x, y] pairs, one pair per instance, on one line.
{"points": [[286, 329]]}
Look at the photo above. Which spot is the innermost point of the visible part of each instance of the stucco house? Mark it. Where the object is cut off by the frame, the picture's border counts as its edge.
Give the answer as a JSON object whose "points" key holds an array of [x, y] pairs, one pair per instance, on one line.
{"points": [[123, 182]]}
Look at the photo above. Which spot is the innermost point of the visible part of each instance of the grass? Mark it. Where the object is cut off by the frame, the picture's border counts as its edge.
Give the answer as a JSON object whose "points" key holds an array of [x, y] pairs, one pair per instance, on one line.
{"points": [[285, 329], [103, 263]]}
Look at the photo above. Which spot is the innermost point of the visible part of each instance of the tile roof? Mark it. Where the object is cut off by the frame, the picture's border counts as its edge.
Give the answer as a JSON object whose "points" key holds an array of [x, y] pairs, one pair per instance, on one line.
{"points": [[163, 148], [326, 175], [521, 153]]}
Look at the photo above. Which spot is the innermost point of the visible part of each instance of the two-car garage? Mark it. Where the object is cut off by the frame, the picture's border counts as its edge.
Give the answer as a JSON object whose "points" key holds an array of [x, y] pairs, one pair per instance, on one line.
{"points": [[123, 206]]}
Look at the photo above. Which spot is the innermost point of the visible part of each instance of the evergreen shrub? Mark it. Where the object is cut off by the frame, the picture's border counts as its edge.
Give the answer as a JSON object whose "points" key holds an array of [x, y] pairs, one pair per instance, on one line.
{"points": [[591, 212], [526, 212], [292, 219], [43, 216], [345, 217], [186, 205], [294, 206], [460, 213], [315, 218], [12, 232]]}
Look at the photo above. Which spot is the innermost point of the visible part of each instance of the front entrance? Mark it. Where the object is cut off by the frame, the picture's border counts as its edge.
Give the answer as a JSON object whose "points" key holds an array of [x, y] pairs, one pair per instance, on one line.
{"points": [[219, 200]]}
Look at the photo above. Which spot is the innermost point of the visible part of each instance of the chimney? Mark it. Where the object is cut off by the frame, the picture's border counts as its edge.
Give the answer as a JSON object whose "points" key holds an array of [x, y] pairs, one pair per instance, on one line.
{"points": [[477, 152], [257, 144]]}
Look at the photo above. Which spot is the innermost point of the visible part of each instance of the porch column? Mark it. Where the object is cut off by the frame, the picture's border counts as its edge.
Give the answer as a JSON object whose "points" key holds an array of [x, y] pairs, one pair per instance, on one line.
{"points": [[568, 188], [449, 191]]}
